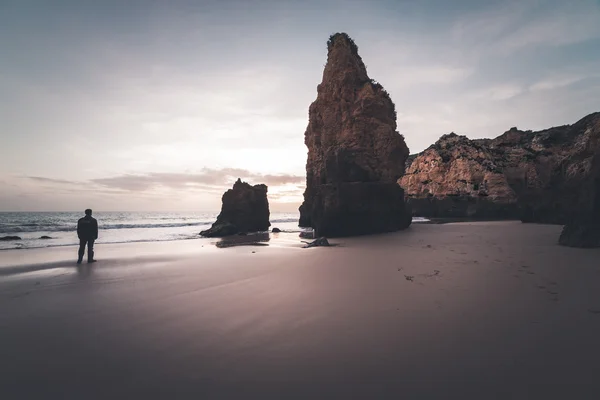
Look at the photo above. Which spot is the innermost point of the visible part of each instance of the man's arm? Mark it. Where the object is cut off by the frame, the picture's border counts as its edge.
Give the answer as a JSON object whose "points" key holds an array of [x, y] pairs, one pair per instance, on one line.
{"points": [[95, 229], [79, 229]]}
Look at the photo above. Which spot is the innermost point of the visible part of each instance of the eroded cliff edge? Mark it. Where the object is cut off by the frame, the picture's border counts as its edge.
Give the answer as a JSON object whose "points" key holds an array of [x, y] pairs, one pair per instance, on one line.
{"points": [[532, 176]]}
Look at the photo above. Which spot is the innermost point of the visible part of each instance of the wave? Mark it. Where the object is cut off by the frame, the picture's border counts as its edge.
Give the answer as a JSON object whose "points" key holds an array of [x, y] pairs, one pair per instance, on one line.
{"points": [[282, 220], [45, 227], [28, 244], [71, 228]]}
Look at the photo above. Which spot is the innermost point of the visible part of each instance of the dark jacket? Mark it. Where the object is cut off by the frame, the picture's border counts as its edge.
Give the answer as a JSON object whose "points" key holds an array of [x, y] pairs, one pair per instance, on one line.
{"points": [[87, 228]]}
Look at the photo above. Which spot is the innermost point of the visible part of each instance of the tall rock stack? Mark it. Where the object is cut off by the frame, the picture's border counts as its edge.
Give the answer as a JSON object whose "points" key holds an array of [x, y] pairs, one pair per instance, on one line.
{"points": [[355, 154]]}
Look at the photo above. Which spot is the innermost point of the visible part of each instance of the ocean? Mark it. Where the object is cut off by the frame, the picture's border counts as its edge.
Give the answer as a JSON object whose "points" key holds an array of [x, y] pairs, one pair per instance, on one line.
{"points": [[116, 227]]}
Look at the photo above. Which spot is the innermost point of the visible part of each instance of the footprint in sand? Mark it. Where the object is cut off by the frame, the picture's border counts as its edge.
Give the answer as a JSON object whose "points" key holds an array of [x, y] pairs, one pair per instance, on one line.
{"points": [[594, 310], [435, 273], [409, 277], [20, 295], [541, 286], [531, 272], [552, 292]]}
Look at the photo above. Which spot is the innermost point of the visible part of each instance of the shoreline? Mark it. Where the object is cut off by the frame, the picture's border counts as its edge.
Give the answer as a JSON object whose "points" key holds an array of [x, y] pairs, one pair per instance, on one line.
{"points": [[247, 239], [420, 220], [252, 238], [193, 237], [452, 220]]}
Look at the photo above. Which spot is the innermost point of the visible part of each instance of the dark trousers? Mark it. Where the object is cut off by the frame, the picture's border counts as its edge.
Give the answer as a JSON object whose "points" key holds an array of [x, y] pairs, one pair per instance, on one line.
{"points": [[90, 246]]}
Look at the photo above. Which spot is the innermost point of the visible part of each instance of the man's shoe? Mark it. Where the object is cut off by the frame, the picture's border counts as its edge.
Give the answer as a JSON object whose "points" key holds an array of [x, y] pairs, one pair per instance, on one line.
{"points": [[78, 261], [92, 261]]}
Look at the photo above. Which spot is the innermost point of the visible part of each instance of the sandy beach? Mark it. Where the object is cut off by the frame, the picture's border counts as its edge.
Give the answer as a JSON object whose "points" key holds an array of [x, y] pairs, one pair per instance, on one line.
{"points": [[486, 310]]}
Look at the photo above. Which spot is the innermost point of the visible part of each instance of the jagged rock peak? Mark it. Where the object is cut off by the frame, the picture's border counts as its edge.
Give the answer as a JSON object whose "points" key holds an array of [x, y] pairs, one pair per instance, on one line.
{"points": [[342, 38], [344, 65], [451, 137]]}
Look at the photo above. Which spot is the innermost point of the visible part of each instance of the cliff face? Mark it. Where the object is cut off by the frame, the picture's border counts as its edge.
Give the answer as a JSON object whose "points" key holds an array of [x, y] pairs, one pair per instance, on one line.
{"points": [[533, 176], [245, 209], [458, 177], [354, 151], [582, 170]]}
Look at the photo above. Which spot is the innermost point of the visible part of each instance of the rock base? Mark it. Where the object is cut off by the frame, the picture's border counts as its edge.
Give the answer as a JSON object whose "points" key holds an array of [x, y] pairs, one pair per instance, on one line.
{"points": [[463, 207], [358, 208], [578, 235]]}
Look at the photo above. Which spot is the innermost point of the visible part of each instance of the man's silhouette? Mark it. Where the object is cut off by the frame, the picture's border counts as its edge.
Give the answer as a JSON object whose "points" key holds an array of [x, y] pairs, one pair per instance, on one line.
{"points": [[87, 231]]}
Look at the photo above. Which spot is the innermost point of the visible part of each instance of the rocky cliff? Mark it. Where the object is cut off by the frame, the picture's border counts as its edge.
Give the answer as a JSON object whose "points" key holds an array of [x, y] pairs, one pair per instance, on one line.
{"points": [[458, 177], [355, 154], [582, 168], [245, 209], [534, 176]]}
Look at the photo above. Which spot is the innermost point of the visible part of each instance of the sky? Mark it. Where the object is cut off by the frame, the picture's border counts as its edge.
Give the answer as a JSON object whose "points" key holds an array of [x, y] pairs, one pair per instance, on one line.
{"points": [[161, 106]]}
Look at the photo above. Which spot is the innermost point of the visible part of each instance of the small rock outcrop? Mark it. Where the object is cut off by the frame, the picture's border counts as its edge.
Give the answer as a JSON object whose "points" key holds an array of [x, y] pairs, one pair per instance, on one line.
{"points": [[45, 237], [307, 234], [355, 154], [320, 242], [245, 209], [9, 238], [276, 230], [532, 176]]}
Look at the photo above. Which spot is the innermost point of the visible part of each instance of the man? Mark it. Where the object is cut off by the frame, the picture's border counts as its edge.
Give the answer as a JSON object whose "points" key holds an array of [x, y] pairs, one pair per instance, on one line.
{"points": [[87, 231]]}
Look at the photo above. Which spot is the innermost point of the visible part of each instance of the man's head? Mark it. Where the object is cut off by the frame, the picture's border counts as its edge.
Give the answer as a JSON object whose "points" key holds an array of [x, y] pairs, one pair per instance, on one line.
{"points": [[88, 212]]}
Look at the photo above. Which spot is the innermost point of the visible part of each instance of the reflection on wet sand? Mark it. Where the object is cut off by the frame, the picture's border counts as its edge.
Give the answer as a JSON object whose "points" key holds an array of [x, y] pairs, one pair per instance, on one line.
{"points": [[252, 239], [84, 271]]}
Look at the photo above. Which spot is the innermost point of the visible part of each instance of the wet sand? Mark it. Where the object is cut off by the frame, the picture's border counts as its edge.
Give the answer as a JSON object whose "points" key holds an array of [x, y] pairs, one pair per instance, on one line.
{"points": [[485, 310]]}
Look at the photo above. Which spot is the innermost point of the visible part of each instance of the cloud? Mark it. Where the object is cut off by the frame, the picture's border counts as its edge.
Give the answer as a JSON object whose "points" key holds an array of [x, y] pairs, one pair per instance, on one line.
{"points": [[145, 191], [277, 180], [498, 92], [567, 25], [42, 179], [556, 82], [207, 179], [516, 25], [289, 194], [504, 92], [431, 74]]}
